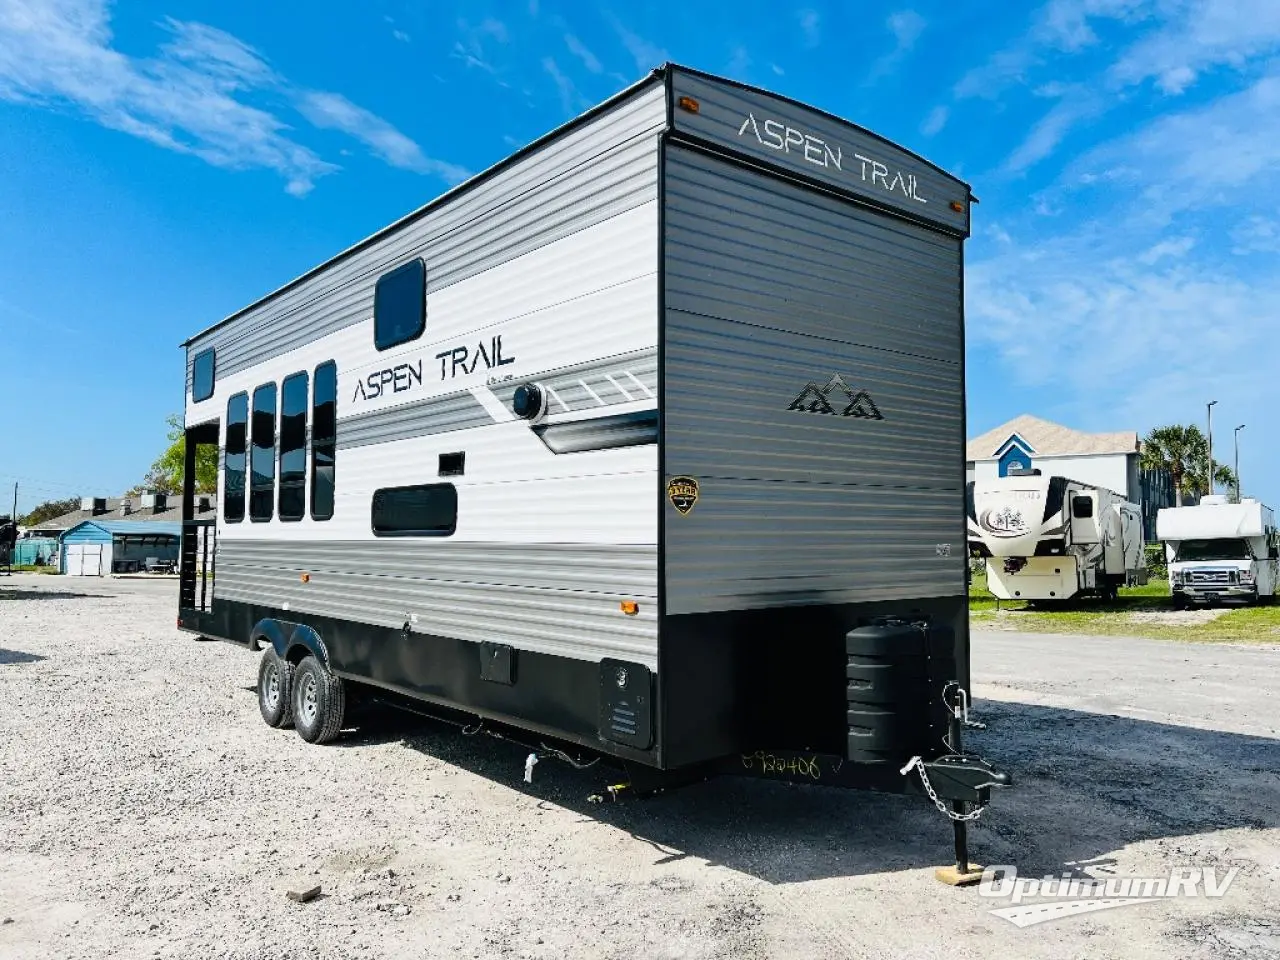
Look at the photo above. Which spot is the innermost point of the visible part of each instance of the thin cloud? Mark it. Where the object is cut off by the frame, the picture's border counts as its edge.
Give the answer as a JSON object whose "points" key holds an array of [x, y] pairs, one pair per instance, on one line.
{"points": [[401, 36], [332, 111], [1207, 35], [193, 97], [739, 62], [935, 121], [906, 27], [1051, 130], [1174, 248], [645, 54], [1185, 40], [579, 50], [571, 101], [810, 26], [186, 100], [472, 48], [1255, 234]]}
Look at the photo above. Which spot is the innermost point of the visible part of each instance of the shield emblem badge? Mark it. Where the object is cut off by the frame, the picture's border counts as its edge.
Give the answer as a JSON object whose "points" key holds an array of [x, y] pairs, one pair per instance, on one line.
{"points": [[683, 494]]}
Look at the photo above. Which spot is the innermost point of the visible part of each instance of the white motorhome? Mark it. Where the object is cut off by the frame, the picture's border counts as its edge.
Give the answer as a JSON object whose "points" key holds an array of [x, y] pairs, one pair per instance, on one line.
{"points": [[605, 447], [1220, 550], [1051, 538]]}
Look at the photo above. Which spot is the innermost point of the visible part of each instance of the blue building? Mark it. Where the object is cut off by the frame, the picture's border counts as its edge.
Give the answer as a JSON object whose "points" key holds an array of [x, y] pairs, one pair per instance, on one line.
{"points": [[99, 547]]}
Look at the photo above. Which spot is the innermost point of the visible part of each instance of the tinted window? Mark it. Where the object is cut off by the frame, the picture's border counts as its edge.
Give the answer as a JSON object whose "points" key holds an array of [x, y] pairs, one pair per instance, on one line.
{"points": [[262, 460], [202, 376], [1228, 549], [400, 305], [1081, 507], [430, 510], [293, 447], [233, 461], [324, 435]]}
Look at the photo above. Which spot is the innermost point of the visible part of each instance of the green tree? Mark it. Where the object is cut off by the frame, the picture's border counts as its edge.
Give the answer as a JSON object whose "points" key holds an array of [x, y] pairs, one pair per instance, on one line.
{"points": [[1184, 452], [166, 474], [50, 509]]}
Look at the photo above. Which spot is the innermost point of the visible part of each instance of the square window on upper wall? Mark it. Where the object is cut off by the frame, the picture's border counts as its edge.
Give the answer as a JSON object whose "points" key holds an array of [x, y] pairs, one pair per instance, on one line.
{"points": [[202, 375], [400, 305]]}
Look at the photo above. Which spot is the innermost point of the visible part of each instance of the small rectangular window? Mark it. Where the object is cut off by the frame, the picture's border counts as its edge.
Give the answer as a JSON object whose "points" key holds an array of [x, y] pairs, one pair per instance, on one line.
{"points": [[262, 458], [400, 305], [1082, 507], [430, 510], [452, 464], [324, 436], [202, 375], [293, 447], [233, 459]]}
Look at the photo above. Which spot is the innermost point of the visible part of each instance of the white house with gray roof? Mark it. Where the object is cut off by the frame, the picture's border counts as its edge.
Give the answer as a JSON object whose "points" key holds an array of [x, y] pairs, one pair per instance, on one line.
{"points": [[1111, 460]]}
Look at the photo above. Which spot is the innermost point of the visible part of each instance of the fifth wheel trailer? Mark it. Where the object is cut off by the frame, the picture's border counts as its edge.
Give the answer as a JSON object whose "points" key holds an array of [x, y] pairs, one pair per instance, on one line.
{"points": [[647, 441], [1052, 538]]}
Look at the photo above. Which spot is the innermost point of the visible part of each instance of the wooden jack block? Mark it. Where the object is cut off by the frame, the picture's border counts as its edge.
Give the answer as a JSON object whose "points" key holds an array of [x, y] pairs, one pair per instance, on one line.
{"points": [[952, 877]]}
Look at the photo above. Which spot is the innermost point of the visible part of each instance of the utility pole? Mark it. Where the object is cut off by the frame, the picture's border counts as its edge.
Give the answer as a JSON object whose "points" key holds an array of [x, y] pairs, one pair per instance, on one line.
{"points": [[1237, 439], [1209, 407]]}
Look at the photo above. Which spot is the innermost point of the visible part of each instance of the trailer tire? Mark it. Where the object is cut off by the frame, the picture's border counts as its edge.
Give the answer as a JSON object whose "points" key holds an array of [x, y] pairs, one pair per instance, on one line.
{"points": [[319, 702], [275, 690]]}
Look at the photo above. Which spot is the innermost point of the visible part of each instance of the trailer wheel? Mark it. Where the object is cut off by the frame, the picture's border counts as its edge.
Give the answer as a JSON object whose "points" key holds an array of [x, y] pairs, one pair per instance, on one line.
{"points": [[275, 690], [319, 702]]}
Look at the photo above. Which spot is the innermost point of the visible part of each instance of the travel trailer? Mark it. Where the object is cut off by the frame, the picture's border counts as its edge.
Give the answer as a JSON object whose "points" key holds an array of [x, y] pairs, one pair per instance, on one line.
{"points": [[1220, 550], [1051, 538], [604, 449]]}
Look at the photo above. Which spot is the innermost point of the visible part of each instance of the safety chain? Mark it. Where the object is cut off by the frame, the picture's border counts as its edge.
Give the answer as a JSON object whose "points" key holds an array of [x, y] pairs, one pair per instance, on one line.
{"points": [[928, 788]]}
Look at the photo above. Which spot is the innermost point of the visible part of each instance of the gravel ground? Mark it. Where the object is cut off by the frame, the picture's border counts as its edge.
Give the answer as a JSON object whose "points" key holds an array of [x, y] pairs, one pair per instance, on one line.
{"points": [[146, 811]]}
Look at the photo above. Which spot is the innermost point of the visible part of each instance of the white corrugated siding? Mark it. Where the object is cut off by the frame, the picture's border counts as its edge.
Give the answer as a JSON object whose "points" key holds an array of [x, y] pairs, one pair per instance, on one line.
{"points": [[587, 176]]}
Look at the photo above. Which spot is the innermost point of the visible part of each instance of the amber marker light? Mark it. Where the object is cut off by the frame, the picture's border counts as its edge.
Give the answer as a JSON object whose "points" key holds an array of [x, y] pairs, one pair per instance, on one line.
{"points": [[629, 607], [690, 104], [305, 578], [957, 206]]}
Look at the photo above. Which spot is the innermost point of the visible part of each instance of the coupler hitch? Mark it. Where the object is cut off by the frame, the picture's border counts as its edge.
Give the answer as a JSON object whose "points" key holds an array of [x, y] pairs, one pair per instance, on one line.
{"points": [[962, 779]]}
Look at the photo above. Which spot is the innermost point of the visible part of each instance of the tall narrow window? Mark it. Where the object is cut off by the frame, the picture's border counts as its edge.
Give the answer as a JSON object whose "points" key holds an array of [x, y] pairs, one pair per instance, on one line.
{"points": [[293, 447], [233, 459], [400, 305], [324, 436], [202, 375], [262, 459]]}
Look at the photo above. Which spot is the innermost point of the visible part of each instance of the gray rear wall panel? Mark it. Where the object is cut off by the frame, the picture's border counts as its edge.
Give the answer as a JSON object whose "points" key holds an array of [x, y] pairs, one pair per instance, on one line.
{"points": [[795, 507]]}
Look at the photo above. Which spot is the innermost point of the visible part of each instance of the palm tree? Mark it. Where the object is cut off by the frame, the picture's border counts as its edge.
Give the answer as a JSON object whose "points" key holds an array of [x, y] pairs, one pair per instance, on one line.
{"points": [[1197, 481], [1173, 449], [1184, 452]]}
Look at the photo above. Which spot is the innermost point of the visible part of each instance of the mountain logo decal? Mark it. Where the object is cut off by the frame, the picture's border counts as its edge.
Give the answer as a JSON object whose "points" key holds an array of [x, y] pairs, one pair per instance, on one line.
{"points": [[836, 398]]}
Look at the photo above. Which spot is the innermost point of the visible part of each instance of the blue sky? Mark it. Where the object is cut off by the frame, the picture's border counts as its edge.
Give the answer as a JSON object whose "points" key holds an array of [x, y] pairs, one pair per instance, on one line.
{"points": [[162, 165]]}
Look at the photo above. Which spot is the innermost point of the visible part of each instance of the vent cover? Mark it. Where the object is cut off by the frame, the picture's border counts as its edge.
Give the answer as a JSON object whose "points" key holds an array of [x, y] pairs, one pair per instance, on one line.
{"points": [[626, 703]]}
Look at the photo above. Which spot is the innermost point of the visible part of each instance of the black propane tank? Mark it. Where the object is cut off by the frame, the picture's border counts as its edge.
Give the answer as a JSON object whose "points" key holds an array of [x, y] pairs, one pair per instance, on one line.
{"points": [[896, 677]]}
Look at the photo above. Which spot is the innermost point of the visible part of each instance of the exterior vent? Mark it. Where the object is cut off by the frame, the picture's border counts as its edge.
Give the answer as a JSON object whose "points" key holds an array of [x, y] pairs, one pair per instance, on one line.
{"points": [[126, 507], [154, 502], [94, 505], [204, 504]]}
